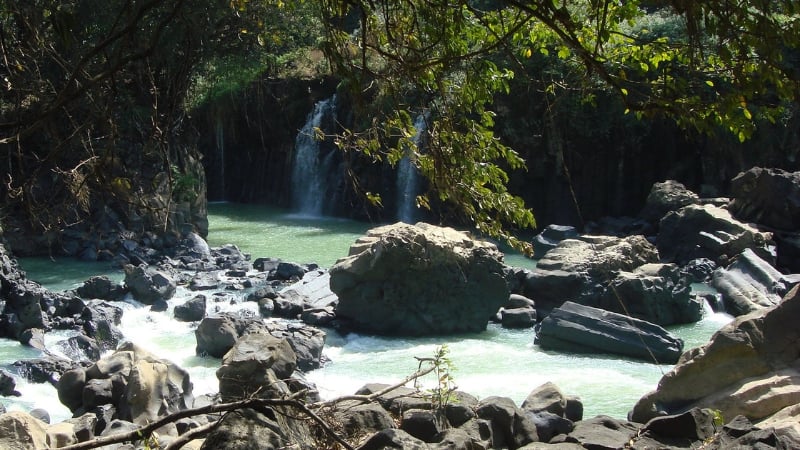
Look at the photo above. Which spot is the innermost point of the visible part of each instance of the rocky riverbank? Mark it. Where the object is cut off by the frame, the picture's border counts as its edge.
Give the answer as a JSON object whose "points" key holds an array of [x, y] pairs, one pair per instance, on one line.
{"points": [[609, 292]]}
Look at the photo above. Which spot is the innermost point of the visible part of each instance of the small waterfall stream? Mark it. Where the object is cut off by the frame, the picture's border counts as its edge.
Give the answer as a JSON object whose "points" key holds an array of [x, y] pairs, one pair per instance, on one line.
{"points": [[408, 177], [312, 167]]}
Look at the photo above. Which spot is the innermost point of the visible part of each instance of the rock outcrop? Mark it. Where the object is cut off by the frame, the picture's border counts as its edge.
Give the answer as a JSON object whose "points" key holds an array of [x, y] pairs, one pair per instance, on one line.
{"points": [[749, 284], [577, 328], [577, 270], [749, 368], [419, 280], [706, 231], [666, 197], [770, 197]]}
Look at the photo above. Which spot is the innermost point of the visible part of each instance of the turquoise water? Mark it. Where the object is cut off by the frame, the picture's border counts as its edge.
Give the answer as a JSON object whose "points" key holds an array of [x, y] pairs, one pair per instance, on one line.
{"points": [[495, 362]]}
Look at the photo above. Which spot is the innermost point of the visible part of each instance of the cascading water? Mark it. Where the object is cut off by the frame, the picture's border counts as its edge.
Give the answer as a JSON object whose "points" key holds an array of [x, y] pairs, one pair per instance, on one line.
{"points": [[407, 177], [311, 168], [219, 163]]}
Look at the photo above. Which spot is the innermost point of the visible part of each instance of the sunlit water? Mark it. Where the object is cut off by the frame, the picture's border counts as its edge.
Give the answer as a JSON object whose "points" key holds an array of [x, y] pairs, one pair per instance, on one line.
{"points": [[495, 362]]}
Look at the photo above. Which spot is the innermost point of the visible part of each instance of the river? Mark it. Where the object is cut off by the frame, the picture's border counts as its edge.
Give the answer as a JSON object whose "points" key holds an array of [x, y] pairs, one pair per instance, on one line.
{"points": [[494, 362]]}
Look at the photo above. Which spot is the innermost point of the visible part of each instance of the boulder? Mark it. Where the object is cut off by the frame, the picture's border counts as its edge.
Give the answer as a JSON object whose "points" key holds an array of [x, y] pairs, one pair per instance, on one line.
{"points": [[601, 432], [511, 427], [274, 428], [749, 284], [393, 438], [101, 287], [550, 237], [579, 328], [253, 366], [768, 197], [191, 310], [147, 285], [518, 317], [61, 434], [419, 280], [356, 418], [577, 270], [423, 424], [216, 335], [788, 248], [547, 397], [136, 384], [21, 431], [706, 231], [655, 293], [599, 256], [695, 425], [749, 368], [667, 197], [8, 386]]}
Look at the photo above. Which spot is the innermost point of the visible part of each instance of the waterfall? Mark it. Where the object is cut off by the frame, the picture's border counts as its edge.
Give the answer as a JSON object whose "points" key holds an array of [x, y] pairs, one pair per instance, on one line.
{"points": [[408, 178], [219, 160], [311, 168]]}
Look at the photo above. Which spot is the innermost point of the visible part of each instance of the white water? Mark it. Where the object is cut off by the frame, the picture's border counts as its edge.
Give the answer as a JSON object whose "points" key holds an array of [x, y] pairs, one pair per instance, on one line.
{"points": [[495, 362], [309, 171], [407, 177]]}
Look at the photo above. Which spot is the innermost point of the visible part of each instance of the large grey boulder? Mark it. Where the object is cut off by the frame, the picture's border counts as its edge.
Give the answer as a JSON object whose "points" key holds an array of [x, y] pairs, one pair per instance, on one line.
{"points": [[139, 385], [419, 280], [578, 328], [656, 293], [749, 284], [749, 368], [706, 231], [577, 269], [768, 197]]}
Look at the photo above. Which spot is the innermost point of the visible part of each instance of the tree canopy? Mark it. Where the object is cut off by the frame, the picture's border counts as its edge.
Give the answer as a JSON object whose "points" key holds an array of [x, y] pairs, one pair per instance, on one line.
{"points": [[707, 65]]}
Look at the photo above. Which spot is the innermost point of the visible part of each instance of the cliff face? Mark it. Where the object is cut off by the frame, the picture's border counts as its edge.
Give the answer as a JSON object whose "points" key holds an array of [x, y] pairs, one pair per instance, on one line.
{"points": [[584, 162]]}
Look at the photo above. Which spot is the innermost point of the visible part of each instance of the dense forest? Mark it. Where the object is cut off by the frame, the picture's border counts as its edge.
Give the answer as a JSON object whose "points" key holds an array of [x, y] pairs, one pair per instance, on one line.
{"points": [[106, 107]]}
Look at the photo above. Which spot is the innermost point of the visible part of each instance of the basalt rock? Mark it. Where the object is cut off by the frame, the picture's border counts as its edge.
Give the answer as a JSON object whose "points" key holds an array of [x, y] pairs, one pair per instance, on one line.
{"points": [[666, 197], [749, 368], [577, 270], [148, 286], [706, 231], [584, 329], [419, 280], [749, 284], [768, 197]]}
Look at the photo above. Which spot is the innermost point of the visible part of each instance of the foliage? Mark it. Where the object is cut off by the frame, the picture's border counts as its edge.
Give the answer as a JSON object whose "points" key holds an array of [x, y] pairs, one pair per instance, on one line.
{"points": [[703, 64], [441, 394]]}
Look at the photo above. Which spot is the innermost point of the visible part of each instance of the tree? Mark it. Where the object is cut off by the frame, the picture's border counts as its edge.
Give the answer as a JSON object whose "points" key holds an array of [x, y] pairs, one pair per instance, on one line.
{"points": [[92, 110], [728, 64]]}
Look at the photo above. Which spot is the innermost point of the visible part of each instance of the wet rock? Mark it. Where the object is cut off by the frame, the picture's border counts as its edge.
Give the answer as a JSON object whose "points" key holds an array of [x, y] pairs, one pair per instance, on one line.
{"points": [[518, 317], [147, 285], [584, 329], [8, 386], [101, 287], [191, 310], [749, 284]]}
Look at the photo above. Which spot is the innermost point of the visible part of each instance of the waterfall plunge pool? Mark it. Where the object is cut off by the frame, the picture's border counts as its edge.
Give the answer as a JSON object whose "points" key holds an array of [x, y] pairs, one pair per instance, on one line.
{"points": [[495, 362]]}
